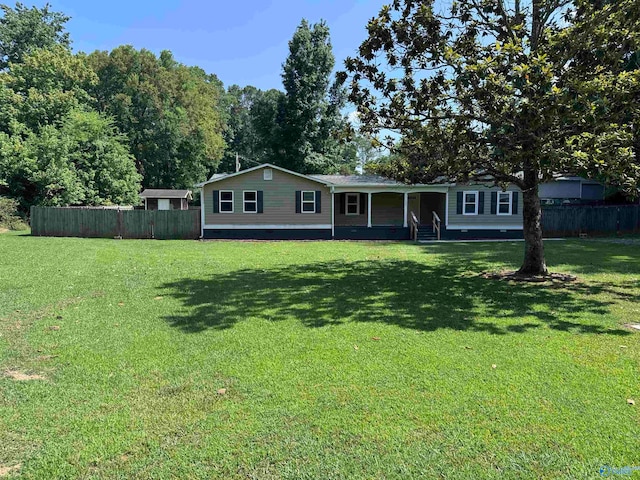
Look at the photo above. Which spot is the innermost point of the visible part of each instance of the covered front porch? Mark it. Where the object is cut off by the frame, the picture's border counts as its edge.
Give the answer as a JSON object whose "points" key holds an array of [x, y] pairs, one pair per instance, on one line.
{"points": [[370, 214]]}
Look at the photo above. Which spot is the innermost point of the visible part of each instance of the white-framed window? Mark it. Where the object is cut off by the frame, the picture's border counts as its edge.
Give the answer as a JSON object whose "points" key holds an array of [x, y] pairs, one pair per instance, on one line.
{"points": [[226, 201], [308, 202], [504, 203], [470, 203], [164, 204], [249, 201], [267, 174], [353, 204]]}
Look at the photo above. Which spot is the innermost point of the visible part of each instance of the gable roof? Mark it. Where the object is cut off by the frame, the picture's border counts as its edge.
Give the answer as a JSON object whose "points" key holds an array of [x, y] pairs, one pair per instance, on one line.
{"points": [[216, 177], [327, 180], [165, 193]]}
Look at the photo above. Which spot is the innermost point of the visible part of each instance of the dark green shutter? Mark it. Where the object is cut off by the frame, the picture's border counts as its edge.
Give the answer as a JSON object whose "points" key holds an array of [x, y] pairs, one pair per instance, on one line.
{"points": [[514, 203], [342, 199], [494, 203], [481, 203], [216, 201], [318, 201], [459, 201], [363, 203], [298, 201], [260, 202]]}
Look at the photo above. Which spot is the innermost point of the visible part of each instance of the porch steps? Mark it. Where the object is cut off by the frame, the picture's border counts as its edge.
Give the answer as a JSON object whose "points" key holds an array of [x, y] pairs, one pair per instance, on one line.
{"points": [[426, 233]]}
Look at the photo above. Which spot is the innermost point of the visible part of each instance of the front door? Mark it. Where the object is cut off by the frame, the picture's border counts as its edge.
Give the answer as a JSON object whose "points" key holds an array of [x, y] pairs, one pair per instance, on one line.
{"points": [[429, 203]]}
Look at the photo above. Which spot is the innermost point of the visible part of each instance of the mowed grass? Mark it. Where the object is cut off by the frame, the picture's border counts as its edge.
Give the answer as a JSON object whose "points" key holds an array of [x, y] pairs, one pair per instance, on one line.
{"points": [[339, 360]]}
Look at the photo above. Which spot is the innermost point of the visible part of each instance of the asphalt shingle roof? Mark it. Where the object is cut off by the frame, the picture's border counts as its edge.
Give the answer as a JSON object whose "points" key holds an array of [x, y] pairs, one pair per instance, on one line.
{"points": [[164, 193], [355, 179]]}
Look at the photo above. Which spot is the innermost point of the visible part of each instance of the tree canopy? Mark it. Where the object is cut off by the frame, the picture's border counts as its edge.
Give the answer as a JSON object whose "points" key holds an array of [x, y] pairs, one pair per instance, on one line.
{"points": [[298, 128], [500, 88], [24, 29], [55, 150], [169, 112]]}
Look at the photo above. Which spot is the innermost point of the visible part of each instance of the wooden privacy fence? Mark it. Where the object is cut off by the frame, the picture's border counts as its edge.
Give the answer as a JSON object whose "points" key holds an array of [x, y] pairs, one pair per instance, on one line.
{"points": [[586, 219], [111, 223]]}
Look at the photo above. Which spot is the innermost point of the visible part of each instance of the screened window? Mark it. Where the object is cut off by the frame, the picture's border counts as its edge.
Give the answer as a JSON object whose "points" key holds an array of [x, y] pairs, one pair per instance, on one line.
{"points": [[470, 206], [226, 201], [250, 201], [309, 202], [504, 203], [268, 174], [353, 204]]}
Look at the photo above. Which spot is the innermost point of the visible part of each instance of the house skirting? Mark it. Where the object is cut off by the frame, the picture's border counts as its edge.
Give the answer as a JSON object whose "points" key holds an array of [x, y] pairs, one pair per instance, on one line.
{"points": [[267, 234], [480, 234], [371, 233]]}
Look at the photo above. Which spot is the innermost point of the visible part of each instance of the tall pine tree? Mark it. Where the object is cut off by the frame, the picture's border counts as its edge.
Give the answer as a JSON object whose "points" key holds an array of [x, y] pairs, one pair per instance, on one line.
{"points": [[310, 112]]}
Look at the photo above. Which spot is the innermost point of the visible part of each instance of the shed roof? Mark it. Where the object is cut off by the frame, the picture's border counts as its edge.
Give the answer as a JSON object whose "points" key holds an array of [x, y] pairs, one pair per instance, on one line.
{"points": [[165, 193]]}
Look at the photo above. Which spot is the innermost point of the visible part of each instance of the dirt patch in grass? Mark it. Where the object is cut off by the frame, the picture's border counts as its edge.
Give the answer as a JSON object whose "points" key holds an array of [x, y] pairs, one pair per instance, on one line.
{"points": [[519, 277], [3, 230], [21, 376], [45, 358], [5, 471]]}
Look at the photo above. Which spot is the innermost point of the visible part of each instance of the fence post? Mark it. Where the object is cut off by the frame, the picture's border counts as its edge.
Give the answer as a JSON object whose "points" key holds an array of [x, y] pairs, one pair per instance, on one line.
{"points": [[618, 221], [120, 224]]}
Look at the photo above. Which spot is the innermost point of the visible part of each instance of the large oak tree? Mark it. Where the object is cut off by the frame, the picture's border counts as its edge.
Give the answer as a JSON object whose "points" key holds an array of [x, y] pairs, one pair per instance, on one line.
{"points": [[516, 89]]}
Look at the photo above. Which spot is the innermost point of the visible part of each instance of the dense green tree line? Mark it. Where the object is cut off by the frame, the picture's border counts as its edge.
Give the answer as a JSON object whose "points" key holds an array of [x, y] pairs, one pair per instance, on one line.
{"points": [[78, 129]]}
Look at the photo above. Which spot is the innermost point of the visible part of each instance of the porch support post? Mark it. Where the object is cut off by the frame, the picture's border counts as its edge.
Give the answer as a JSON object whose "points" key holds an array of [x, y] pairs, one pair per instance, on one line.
{"points": [[405, 224], [333, 213], [202, 217], [369, 210]]}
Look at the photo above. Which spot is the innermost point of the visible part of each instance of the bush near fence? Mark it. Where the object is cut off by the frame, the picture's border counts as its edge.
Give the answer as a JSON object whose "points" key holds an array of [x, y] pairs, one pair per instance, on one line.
{"points": [[572, 221], [112, 223]]}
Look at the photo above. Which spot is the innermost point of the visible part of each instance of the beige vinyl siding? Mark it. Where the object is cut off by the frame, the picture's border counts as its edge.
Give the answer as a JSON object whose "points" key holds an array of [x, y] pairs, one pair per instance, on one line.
{"points": [[487, 218], [387, 209], [344, 220], [279, 200]]}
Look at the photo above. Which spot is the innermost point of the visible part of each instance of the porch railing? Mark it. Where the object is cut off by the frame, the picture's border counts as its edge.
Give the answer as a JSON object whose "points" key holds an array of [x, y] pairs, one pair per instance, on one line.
{"points": [[436, 224], [415, 225]]}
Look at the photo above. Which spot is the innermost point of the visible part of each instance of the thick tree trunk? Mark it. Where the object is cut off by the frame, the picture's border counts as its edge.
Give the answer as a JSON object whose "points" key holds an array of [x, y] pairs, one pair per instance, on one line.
{"points": [[534, 263]]}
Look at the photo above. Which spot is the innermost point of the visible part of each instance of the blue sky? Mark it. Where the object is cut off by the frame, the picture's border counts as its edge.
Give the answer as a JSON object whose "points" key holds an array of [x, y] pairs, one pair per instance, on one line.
{"points": [[241, 41]]}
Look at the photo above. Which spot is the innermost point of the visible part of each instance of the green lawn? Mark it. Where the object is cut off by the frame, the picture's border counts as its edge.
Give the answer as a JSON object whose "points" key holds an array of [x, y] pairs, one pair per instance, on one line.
{"points": [[339, 360]]}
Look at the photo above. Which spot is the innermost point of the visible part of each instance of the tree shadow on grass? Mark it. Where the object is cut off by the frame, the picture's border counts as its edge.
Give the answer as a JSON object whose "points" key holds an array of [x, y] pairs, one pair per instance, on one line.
{"points": [[404, 293], [581, 256]]}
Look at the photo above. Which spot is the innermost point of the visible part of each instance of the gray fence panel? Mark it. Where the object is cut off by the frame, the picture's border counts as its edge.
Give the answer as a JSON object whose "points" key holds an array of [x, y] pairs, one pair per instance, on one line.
{"points": [[590, 220], [73, 222], [110, 223]]}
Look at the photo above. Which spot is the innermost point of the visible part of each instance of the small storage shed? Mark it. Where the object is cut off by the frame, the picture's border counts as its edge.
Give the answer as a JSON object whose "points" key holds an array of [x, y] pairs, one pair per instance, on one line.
{"points": [[166, 199], [567, 190]]}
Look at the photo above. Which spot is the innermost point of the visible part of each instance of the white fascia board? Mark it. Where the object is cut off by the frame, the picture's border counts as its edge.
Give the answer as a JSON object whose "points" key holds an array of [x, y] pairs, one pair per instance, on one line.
{"points": [[320, 226]]}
